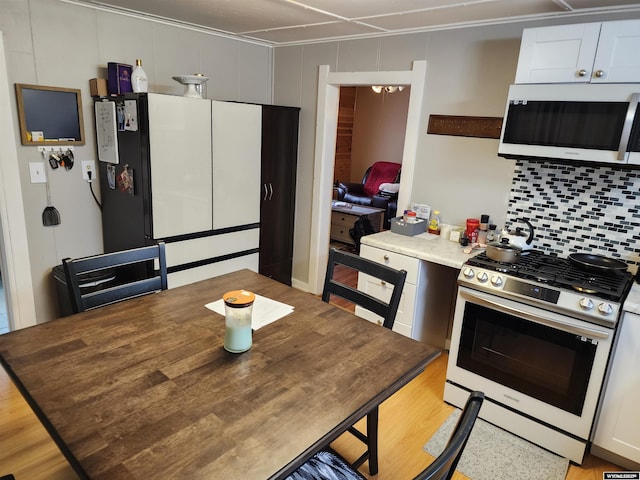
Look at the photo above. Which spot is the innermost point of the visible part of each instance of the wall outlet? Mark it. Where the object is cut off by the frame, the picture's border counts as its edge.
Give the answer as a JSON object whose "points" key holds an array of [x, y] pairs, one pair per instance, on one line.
{"points": [[37, 172], [88, 166]]}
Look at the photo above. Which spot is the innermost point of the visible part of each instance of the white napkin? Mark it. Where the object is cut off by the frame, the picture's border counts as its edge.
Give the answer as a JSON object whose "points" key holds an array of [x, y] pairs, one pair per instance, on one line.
{"points": [[265, 310]]}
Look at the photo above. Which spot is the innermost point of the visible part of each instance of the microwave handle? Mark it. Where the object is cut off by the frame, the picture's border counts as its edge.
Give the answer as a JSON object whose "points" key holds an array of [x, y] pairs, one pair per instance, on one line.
{"points": [[628, 124]]}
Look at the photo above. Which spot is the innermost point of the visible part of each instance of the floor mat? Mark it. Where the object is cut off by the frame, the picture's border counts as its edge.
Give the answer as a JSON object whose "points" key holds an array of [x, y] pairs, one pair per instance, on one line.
{"points": [[495, 454]]}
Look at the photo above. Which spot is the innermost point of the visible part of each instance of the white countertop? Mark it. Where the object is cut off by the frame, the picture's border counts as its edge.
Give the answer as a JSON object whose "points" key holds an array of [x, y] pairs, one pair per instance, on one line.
{"points": [[632, 303], [432, 248]]}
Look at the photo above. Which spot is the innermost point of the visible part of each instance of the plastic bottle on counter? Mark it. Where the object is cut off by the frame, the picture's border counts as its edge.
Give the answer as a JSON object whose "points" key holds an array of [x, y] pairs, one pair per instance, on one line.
{"points": [[484, 222], [482, 236], [434, 223], [411, 217], [483, 229], [492, 235]]}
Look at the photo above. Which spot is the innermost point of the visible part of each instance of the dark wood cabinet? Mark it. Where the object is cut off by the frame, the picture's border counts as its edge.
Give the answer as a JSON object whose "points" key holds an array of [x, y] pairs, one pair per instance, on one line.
{"points": [[278, 182]]}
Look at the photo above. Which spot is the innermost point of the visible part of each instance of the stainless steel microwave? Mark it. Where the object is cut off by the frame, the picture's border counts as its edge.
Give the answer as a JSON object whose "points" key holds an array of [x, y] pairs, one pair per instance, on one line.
{"points": [[589, 123]]}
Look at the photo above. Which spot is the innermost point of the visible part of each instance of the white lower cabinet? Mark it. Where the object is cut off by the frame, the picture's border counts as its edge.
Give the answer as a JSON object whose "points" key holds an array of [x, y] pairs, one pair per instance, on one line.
{"points": [[426, 305], [617, 434]]}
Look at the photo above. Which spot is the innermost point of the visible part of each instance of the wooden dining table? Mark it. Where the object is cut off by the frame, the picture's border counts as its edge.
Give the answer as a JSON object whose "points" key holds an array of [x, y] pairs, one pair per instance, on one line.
{"points": [[144, 389]]}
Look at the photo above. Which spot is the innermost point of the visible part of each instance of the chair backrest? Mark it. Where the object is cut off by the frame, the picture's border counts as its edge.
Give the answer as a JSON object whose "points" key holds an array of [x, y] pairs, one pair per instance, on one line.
{"points": [[387, 274], [443, 467], [135, 275]]}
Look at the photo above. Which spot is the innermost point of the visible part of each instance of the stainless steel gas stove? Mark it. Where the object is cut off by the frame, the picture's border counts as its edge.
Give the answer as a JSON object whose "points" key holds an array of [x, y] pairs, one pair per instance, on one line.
{"points": [[535, 336], [552, 283]]}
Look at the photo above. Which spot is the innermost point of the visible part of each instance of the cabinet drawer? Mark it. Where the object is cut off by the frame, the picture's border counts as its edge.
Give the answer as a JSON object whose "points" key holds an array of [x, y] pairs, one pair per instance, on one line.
{"points": [[188, 251], [341, 233], [185, 277], [404, 318], [343, 219], [393, 260]]}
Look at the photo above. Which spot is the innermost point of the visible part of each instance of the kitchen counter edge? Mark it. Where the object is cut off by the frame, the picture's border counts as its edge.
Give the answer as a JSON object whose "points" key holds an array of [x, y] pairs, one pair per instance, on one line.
{"points": [[632, 303], [425, 246]]}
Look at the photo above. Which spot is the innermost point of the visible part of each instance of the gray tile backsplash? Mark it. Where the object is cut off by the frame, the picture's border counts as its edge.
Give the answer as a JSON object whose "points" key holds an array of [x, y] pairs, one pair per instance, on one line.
{"points": [[577, 208]]}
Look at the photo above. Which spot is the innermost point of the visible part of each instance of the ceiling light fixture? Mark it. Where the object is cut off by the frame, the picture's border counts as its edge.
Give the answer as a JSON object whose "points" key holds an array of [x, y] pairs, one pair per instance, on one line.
{"points": [[387, 88]]}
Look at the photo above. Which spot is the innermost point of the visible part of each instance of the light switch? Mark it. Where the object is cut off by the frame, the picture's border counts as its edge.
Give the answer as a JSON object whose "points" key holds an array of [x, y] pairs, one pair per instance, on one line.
{"points": [[37, 171]]}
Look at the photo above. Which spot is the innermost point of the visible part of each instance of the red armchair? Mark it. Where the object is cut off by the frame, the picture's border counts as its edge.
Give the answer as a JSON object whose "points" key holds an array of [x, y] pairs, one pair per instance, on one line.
{"points": [[368, 192]]}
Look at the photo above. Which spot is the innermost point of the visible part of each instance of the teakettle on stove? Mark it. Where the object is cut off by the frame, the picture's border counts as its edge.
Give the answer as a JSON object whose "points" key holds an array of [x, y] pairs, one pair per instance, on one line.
{"points": [[518, 238]]}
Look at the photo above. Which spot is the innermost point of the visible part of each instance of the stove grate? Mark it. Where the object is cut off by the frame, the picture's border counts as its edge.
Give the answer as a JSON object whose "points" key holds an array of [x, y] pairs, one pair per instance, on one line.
{"points": [[560, 272]]}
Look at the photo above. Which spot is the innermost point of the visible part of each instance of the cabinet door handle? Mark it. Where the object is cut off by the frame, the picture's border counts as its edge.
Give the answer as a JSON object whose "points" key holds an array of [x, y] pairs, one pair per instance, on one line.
{"points": [[270, 191], [386, 258], [582, 73], [383, 283], [265, 192], [599, 73]]}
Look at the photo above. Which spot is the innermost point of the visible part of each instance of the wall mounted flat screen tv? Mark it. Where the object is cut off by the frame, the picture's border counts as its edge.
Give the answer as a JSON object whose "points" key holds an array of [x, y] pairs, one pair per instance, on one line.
{"points": [[50, 115]]}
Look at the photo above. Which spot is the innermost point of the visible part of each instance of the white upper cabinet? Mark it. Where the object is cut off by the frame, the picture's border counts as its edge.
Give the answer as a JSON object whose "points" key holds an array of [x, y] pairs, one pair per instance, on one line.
{"points": [[180, 157], [618, 54], [589, 52]]}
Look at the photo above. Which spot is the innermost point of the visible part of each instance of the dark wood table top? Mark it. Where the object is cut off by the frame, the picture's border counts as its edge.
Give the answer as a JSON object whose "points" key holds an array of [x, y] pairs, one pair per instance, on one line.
{"points": [[144, 389]]}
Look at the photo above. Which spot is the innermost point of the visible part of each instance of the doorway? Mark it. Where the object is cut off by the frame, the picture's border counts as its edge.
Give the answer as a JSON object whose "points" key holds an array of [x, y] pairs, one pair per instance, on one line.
{"points": [[372, 122], [329, 84]]}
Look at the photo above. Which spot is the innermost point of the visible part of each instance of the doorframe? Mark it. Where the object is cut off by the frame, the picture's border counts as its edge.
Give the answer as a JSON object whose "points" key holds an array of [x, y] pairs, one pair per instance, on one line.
{"points": [[329, 84], [14, 249]]}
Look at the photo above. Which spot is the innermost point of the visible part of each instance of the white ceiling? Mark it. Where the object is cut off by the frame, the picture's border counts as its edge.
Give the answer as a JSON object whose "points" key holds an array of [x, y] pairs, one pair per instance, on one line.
{"points": [[283, 22]]}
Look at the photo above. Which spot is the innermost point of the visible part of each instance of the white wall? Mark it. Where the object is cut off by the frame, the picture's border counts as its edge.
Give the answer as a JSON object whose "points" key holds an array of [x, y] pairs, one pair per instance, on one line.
{"points": [[468, 73], [379, 124], [48, 42]]}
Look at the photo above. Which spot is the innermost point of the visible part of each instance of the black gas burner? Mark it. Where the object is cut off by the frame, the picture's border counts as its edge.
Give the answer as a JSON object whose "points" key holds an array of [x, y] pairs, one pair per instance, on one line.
{"points": [[559, 272]]}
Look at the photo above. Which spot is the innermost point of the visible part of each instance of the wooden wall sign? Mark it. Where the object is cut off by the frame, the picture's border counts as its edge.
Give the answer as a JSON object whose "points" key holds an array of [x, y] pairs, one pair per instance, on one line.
{"points": [[483, 127]]}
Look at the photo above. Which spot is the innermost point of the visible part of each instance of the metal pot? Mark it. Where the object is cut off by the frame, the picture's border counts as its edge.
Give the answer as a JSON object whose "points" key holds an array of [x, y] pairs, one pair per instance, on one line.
{"points": [[503, 252]]}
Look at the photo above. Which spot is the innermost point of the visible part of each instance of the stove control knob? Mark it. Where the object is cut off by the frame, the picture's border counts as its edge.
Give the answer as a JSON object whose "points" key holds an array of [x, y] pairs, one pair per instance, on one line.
{"points": [[586, 304], [468, 272], [605, 309], [496, 280], [483, 277]]}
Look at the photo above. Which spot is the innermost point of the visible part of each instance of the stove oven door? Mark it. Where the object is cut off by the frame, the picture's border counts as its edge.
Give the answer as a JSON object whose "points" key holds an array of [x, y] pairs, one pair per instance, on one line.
{"points": [[541, 364]]}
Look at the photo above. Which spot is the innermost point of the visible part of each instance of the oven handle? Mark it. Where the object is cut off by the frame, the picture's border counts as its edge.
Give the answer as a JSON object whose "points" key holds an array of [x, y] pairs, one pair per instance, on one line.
{"points": [[541, 319]]}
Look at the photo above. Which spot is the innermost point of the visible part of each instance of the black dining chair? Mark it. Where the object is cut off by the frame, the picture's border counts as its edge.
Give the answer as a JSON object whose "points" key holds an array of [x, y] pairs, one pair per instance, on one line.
{"points": [[328, 465], [386, 310], [134, 274]]}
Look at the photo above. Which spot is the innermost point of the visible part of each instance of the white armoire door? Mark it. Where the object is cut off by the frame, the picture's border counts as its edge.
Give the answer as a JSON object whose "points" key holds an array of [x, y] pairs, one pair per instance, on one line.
{"points": [[237, 146], [180, 158]]}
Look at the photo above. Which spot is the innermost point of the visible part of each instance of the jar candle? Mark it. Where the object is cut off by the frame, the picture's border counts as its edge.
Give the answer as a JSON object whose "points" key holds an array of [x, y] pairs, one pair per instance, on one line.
{"points": [[238, 307]]}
